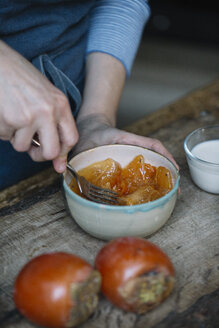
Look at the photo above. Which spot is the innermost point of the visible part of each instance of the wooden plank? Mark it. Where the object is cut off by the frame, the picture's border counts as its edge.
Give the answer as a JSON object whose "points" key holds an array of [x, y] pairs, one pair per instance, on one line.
{"points": [[41, 223], [28, 187]]}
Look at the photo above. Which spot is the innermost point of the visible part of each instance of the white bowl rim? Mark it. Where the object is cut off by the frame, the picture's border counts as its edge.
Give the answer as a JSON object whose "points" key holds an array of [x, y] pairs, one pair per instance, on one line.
{"points": [[190, 154], [128, 208]]}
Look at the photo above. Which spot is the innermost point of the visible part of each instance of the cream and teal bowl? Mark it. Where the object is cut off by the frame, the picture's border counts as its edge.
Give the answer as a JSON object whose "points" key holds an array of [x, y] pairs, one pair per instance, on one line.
{"points": [[109, 221]]}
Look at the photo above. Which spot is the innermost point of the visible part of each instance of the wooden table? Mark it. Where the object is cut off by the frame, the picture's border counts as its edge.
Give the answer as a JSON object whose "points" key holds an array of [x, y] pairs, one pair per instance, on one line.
{"points": [[34, 220]]}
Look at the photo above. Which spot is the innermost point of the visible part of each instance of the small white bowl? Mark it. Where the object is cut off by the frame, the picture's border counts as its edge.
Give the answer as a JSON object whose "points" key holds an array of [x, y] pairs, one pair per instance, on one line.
{"points": [[203, 158], [109, 221]]}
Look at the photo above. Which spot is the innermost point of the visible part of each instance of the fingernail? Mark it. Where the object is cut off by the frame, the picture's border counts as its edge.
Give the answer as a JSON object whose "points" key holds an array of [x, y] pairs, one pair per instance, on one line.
{"points": [[61, 166]]}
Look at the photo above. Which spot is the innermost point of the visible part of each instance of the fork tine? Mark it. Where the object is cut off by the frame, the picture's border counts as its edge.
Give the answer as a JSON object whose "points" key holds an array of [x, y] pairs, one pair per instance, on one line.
{"points": [[92, 192], [103, 193], [107, 191], [103, 197], [98, 191]]}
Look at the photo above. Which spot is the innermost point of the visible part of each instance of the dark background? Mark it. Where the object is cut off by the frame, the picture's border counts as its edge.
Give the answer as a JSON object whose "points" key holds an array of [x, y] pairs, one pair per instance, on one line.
{"points": [[179, 53], [184, 19]]}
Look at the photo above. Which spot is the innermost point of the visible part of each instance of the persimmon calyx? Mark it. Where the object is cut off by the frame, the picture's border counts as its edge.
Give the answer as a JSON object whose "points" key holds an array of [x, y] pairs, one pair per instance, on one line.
{"points": [[145, 292], [85, 298]]}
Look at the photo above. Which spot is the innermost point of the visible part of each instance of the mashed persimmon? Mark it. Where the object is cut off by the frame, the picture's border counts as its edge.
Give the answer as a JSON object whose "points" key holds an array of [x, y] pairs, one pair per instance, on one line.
{"points": [[137, 183]]}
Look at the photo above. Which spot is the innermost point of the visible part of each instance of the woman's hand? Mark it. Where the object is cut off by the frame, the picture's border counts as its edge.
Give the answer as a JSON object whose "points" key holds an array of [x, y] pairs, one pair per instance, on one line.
{"points": [[30, 104], [96, 120], [95, 130]]}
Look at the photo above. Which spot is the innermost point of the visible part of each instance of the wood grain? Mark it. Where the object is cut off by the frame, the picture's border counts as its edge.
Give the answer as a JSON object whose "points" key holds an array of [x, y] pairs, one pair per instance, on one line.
{"points": [[34, 219]]}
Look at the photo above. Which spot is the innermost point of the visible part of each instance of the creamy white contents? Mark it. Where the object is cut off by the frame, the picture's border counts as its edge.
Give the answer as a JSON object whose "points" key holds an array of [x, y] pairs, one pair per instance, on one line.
{"points": [[207, 151], [204, 175]]}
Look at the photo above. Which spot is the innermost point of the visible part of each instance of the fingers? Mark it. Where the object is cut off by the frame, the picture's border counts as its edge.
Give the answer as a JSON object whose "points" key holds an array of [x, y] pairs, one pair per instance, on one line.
{"points": [[35, 105], [159, 148], [95, 133], [69, 137], [150, 143], [59, 164], [68, 133], [56, 140], [57, 132], [6, 132], [21, 140], [49, 143]]}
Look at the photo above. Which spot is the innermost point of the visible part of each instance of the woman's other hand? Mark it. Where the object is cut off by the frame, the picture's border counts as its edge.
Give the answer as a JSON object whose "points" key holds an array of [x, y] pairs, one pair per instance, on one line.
{"points": [[96, 121], [95, 130]]}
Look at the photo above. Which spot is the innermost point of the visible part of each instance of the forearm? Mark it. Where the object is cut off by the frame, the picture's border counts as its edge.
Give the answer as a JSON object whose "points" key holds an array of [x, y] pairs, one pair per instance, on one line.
{"points": [[116, 28], [105, 79]]}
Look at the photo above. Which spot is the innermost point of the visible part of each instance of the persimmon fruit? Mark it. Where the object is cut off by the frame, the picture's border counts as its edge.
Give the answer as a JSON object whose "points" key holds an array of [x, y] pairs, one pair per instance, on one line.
{"points": [[57, 290], [136, 274]]}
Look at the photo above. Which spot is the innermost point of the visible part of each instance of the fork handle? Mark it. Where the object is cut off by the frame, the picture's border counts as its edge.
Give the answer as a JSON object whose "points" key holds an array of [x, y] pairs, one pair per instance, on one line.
{"points": [[74, 173], [70, 168], [36, 143]]}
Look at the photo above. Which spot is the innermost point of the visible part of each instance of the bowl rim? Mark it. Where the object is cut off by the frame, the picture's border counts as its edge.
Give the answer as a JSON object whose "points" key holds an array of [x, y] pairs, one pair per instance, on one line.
{"points": [[190, 154], [128, 208]]}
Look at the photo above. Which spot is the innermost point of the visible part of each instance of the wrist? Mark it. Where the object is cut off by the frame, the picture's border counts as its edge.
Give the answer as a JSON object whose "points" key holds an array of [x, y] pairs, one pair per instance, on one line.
{"points": [[96, 118], [97, 114], [105, 78]]}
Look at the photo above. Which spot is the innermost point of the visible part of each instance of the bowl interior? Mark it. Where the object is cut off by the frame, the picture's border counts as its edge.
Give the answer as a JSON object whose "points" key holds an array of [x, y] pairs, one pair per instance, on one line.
{"points": [[123, 154]]}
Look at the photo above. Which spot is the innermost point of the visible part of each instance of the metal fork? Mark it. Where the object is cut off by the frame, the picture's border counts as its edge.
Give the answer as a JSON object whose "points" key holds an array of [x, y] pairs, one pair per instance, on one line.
{"points": [[92, 192]]}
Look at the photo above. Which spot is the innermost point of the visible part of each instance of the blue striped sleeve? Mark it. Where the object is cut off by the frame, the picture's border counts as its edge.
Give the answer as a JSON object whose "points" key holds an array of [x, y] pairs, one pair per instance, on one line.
{"points": [[116, 28]]}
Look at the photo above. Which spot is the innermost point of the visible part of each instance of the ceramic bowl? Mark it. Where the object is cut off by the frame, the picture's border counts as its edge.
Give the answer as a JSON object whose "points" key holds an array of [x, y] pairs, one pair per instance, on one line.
{"points": [[110, 221], [202, 153]]}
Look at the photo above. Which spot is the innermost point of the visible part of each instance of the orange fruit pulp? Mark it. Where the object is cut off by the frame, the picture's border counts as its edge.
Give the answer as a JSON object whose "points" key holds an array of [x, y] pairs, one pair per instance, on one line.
{"points": [[137, 183]]}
